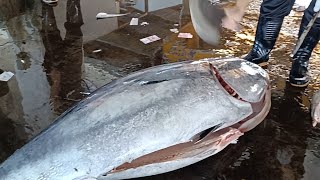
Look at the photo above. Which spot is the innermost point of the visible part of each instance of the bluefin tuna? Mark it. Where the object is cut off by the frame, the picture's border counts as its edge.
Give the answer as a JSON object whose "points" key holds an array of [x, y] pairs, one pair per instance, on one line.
{"points": [[315, 109], [150, 122]]}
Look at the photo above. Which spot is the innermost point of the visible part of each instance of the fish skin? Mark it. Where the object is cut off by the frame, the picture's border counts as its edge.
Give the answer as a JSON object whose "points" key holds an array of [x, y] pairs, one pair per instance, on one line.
{"points": [[134, 116]]}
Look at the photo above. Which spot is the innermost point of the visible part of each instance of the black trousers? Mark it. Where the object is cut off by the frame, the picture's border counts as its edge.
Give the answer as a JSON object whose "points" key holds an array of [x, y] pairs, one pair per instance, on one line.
{"points": [[282, 8]]}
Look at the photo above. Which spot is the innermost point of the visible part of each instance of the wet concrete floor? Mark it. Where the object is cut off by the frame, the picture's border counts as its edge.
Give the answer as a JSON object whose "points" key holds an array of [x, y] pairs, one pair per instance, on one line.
{"points": [[60, 54]]}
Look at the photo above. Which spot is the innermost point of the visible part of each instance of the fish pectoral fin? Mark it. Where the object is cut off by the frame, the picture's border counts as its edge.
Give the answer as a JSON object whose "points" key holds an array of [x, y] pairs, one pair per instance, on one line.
{"points": [[200, 136], [209, 140]]}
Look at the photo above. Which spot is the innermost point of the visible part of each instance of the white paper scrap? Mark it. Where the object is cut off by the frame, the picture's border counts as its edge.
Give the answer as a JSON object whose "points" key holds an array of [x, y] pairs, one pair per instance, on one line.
{"points": [[150, 39], [6, 76], [185, 35], [144, 23], [134, 22], [175, 30], [96, 51], [106, 15]]}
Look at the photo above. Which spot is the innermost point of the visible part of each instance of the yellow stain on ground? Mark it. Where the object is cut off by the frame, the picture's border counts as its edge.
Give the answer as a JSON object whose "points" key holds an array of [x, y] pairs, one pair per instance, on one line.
{"points": [[177, 49]]}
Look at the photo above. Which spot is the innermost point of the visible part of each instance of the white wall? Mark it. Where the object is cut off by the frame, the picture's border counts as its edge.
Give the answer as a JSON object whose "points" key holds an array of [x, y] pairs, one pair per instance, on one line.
{"points": [[157, 4]]}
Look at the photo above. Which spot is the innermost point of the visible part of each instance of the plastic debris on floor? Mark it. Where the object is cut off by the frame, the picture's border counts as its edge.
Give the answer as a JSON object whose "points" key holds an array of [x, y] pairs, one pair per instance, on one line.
{"points": [[144, 24], [106, 15], [134, 22], [185, 35], [6, 76], [175, 30], [150, 39]]}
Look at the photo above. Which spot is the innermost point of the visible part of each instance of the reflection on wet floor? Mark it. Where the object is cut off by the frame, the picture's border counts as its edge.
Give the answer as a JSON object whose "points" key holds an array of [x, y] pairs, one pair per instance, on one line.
{"points": [[59, 54]]}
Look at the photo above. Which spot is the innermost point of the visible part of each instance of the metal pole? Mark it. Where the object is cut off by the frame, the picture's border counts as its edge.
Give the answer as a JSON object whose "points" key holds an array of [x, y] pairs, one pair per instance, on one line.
{"points": [[304, 34]]}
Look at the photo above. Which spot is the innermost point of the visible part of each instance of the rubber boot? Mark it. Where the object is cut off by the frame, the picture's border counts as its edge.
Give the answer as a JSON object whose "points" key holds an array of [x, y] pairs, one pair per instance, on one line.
{"points": [[299, 76], [266, 36]]}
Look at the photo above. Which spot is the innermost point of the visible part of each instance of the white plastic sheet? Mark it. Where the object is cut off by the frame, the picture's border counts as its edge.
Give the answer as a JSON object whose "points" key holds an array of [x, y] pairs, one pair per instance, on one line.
{"points": [[6, 76]]}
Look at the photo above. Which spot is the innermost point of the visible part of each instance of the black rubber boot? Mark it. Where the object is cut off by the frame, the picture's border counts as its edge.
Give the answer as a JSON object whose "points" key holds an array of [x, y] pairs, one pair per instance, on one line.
{"points": [[299, 76], [266, 36]]}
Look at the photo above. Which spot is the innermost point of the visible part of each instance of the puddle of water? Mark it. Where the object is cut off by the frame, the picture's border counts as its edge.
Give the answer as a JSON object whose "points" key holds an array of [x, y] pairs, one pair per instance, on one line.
{"points": [[53, 53], [91, 28]]}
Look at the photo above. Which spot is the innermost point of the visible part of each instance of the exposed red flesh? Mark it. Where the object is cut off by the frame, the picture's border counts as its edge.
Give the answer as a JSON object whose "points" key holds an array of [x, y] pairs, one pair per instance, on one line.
{"points": [[223, 83]]}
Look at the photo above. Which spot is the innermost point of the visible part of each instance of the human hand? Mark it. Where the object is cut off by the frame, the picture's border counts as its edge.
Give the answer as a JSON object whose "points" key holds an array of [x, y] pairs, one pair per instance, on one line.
{"points": [[232, 19], [234, 15]]}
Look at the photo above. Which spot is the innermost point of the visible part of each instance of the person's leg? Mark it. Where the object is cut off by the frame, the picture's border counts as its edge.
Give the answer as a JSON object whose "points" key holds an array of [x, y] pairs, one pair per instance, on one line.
{"points": [[299, 72], [272, 13]]}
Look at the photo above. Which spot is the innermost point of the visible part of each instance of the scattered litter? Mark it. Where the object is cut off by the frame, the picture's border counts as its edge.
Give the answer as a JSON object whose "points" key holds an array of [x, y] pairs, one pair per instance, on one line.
{"points": [[144, 24], [70, 93], [106, 15], [96, 51], [176, 25], [85, 93], [245, 36], [175, 30], [185, 35], [150, 39], [232, 43], [6, 76], [134, 22]]}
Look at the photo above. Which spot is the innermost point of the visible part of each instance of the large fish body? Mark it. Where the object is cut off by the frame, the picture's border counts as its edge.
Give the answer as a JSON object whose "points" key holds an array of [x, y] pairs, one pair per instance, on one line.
{"points": [[315, 109], [153, 121]]}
